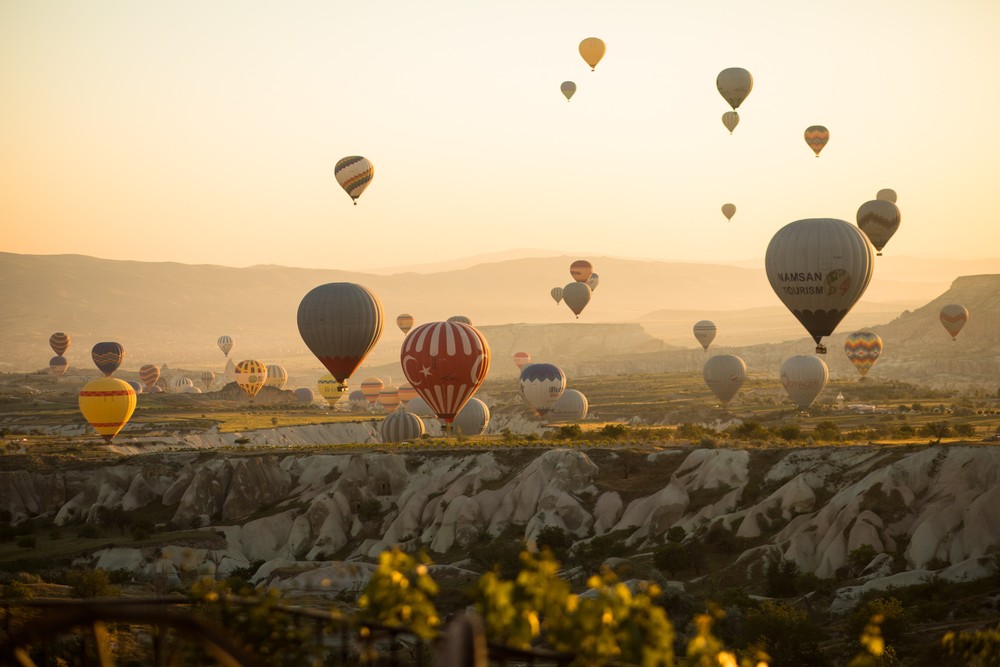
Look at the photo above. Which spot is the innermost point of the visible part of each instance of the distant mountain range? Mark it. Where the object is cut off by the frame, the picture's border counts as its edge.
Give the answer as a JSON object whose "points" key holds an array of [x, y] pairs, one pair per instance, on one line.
{"points": [[175, 312]]}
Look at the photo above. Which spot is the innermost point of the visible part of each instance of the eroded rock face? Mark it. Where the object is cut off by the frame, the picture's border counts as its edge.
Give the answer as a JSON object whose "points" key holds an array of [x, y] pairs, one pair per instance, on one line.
{"points": [[820, 504]]}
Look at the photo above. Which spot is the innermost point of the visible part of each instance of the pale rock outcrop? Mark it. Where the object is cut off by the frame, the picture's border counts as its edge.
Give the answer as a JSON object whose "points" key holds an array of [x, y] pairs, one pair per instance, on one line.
{"points": [[607, 511], [255, 483], [461, 525], [25, 494], [654, 515], [205, 495], [267, 538], [713, 468]]}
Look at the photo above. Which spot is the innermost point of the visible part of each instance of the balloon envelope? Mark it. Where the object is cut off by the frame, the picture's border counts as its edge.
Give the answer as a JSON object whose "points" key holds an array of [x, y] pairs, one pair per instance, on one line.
{"points": [[592, 50], [804, 377], [819, 268], [557, 294], [406, 394], [576, 296], [306, 395], [473, 418], [571, 406], [207, 378], [817, 137], [225, 344], [522, 359], [724, 374], [107, 357], [401, 426], [445, 362], [460, 318], [581, 270], [149, 374], [704, 332], [734, 84], [888, 194], [107, 403], [953, 318], [329, 388], [388, 398], [59, 342], [567, 88], [728, 210], [593, 281], [136, 386], [863, 349], [354, 173], [541, 386], [277, 376], [878, 219], [419, 407], [340, 323], [730, 119], [251, 376], [58, 365], [404, 322], [370, 388]]}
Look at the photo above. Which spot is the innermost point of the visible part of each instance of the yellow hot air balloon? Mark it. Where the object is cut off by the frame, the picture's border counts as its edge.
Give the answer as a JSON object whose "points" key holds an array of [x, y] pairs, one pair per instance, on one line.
{"points": [[730, 119], [251, 376], [817, 136], [329, 389], [728, 210], [107, 403], [568, 89], [734, 84], [592, 49]]}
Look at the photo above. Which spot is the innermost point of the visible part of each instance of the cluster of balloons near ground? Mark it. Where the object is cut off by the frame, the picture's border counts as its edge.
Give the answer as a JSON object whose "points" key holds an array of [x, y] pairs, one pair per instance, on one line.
{"points": [[578, 293]]}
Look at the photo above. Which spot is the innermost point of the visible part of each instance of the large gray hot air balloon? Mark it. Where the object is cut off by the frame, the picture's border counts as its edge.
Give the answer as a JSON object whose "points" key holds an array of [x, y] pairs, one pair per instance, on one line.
{"points": [[878, 219], [734, 84], [704, 331], [819, 268], [401, 426], [803, 377], [419, 407], [472, 419], [572, 406], [724, 374], [340, 323], [577, 296]]}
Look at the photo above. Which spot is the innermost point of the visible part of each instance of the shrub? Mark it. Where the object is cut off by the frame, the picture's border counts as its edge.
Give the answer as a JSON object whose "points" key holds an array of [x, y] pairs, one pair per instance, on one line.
{"points": [[860, 557], [781, 575], [785, 633], [27, 542], [569, 432], [91, 584], [556, 540], [789, 432], [613, 431]]}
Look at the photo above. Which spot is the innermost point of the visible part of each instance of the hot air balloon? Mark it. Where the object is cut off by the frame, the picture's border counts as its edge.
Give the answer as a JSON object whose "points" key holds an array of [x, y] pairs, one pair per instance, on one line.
{"points": [[401, 426], [580, 270], [704, 331], [388, 398], [953, 317], [878, 219], [58, 365], [572, 406], [541, 386], [817, 136], [354, 173], [522, 359], [461, 319], [419, 407], [730, 119], [557, 294], [404, 322], [136, 386], [592, 49], [724, 374], [406, 394], [277, 376], [803, 377], [107, 403], [357, 399], [863, 349], [887, 194], [593, 281], [576, 296], [207, 378], [445, 362], [819, 268], [149, 374], [251, 376], [734, 84], [225, 344], [386, 380], [306, 395], [340, 323], [107, 357], [728, 210], [472, 419], [329, 388], [371, 388], [568, 88], [59, 342], [179, 384]]}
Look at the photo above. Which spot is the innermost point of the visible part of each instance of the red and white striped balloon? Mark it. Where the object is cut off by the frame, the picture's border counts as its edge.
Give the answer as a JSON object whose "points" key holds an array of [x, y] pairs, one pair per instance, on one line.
{"points": [[445, 362]]}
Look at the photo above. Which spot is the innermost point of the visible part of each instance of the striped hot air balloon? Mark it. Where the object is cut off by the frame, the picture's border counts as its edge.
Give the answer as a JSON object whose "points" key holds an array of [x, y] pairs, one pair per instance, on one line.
{"points": [[953, 318], [401, 426], [388, 398], [179, 384], [541, 386], [730, 119], [108, 357], [571, 406], [522, 359], [354, 173], [277, 376], [406, 393], [225, 344], [207, 378], [58, 365], [251, 376], [704, 332], [107, 403], [445, 362], [149, 374], [404, 322], [473, 418], [557, 294], [863, 349], [59, 342], [371, 388], [817, 137]]}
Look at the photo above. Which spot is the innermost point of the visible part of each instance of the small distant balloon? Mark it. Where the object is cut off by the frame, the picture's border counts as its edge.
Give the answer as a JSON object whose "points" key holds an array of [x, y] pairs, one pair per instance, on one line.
{"points": [[581, 270], [522, 359], [108, 357], [371, 387], [568, 88], [461, 319], [817, 137], [571, 406], [472, 419], [406, 394], [724, 374], [388, 398], [730, 119], [557, 294], [593, 281], [225, 344], [404, 322], [863, 349], [306, 395], [541, 386], [277, 376], [953, 318], [136, 386], [354, 173], [149, 374], [58, 365], [734, 84], [576, 296], [401, 426], [704, 332], [59, 342], [879, 219], [207, 378], [886, 194], [728, 210], [592, 50]]}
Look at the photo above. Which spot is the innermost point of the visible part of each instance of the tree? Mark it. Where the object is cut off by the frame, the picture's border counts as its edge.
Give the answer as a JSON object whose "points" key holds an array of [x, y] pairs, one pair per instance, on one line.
{"points": [[789, 432], [671, 558], [860, 557], [784, 633], [91, 584], [781, 578], [937, 430], [555, 539], [895, 622]]}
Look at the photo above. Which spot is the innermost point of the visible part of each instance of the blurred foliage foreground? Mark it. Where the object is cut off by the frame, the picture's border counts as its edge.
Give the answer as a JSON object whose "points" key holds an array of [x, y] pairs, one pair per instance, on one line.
{"points": [[533, 618]]}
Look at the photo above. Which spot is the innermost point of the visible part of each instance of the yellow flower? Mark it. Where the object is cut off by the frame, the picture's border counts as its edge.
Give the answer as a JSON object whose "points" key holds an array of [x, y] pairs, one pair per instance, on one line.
{"points": [[422, 570], [727, 659], [876, 646]]}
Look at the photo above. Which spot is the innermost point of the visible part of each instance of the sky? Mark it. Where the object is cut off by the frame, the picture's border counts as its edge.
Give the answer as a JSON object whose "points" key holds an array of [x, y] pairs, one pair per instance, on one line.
{"points": [[207, 132]]}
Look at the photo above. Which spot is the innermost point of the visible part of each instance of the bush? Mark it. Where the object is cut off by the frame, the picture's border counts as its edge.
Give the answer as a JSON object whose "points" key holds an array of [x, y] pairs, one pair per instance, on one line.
{"points": [[569, 432], [781, 576], [613, 431], [860, 557], [27, 542], [750, 430], [91, 584], [789, 432], [689, 432], [784, 633], [556, 540], [895, 621], [671, 558]]}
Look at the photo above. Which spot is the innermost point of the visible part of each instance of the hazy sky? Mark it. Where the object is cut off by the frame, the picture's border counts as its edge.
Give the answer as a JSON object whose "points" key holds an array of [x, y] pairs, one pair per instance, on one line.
{"points": [[206, 131]]}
